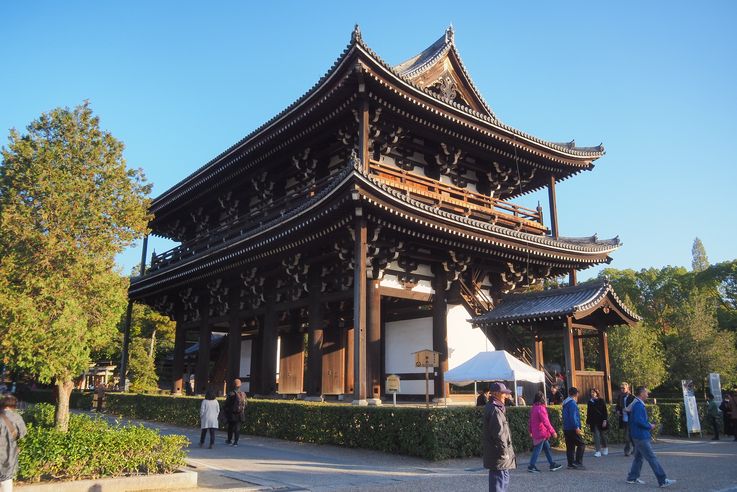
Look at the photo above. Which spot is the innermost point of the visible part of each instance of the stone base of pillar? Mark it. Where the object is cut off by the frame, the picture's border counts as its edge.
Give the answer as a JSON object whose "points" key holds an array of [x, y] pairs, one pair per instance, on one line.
{"points": [[360, 403], [314, 398], [442, 401], [374, 401]]}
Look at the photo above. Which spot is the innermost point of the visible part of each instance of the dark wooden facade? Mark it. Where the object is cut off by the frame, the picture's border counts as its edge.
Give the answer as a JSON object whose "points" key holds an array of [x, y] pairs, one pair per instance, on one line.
{"points": [[382, 194]]}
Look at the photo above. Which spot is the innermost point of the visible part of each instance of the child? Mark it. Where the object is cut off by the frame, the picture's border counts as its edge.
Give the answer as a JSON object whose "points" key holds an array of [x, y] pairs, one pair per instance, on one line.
{"points": [[209, 411]]}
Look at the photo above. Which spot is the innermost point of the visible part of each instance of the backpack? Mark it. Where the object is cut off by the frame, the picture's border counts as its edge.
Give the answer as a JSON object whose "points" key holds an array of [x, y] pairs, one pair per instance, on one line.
{"points": [[240, 404]]}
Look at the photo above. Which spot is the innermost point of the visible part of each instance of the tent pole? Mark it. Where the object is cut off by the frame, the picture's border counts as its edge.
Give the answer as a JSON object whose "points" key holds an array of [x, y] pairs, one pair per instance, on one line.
{"points": [[475, 391], [516, 396], [545, 391]]}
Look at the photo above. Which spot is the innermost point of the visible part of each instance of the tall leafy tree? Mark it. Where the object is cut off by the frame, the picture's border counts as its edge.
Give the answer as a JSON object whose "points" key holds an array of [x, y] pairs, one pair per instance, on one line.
{"points": [[142, 368], [636, 356], [699, 260], [68, 205]]}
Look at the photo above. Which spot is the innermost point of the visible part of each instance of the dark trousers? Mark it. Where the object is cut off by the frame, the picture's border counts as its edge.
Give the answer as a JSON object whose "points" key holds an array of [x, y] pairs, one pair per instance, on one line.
{"points": [[234, 431], [498, 480], [715, 423], [204, 433], [574, 447], [629, 446]]}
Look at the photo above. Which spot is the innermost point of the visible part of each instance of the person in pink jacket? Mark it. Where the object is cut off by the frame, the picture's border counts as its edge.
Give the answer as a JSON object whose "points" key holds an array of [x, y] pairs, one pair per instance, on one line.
{"points": [[541, 431]]}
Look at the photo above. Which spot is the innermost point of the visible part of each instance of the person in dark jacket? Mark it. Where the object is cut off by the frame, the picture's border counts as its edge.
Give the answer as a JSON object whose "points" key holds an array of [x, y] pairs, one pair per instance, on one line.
{"points": [[597, 420], [483, 398], [712, 414], [624, 400], [234, 409], [555, 398], [725, 407], [575, 445], [497, 440]]}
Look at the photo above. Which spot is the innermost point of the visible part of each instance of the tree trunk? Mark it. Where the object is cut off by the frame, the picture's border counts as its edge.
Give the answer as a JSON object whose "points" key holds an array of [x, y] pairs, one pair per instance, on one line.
{"points": [[64, 391], [153, 344]]}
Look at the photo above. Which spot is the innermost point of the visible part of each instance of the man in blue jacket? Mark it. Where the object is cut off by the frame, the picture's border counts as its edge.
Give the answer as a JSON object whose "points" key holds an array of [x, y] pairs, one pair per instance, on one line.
{"points": [[572, 430], [640, 428]]}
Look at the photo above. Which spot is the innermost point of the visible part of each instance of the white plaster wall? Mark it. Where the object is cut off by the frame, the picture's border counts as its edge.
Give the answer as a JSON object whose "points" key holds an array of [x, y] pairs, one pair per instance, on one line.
{"points": [[403, 338], [464, 341]]}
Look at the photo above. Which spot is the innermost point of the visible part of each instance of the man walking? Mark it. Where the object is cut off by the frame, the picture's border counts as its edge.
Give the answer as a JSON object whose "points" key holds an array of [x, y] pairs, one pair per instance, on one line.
{"points": [[624, 400], [234, 408], [712, 414], [640, 428], [12, 428], [498, 451], [575, 445]]}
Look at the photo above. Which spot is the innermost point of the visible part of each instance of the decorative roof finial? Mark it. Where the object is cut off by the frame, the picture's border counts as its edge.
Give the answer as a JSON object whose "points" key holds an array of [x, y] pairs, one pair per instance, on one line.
{"points": [[449, 33], [356, 34]]}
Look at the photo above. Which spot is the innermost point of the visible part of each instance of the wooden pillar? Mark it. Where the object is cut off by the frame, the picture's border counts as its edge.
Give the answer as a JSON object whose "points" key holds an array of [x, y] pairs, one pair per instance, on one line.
{"points": [[359, 309], [572, 277], [177, 368], [268, 340], [255, 379], [553, 207], [315, 337], [349, 354], [234, 350], [568, 352], [291, 359], [202, 375], [604, 362], [440, 331], [539, 357], [580, 356], [373, 339]]}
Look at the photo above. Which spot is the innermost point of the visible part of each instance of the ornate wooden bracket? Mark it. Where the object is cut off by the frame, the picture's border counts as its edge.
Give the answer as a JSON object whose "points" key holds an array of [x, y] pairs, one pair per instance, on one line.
{"points": [[408, 265], [253, 292], [219, 305], [448, 162], [190, 305], [201, 222], [455, 266], [264, 188], [504, 179], [306, 166], [517, 275], [229, 204], [165, 306]]}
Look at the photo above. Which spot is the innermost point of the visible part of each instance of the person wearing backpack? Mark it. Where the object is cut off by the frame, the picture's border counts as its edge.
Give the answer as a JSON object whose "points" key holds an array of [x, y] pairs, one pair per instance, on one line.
{"points": [[235, 408], [12, 429]]}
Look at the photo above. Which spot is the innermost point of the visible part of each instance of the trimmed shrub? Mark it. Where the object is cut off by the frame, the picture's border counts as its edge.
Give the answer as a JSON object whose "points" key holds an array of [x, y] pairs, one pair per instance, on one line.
{"points": [[81, 400], [92, 448], [436, 433]]}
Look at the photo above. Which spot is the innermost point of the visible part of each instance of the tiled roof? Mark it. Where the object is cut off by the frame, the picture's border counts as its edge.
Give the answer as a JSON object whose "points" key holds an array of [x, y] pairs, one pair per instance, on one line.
{"points": [[552, 304]]}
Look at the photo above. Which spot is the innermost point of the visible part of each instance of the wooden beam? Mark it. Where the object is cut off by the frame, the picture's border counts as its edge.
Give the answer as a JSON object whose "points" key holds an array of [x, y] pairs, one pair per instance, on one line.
{"points": [[604, 362], [440, 330], [373, 339], [177, 369], [315, 336], [364, 125], [568, 352], [553, 207], [405, 294], [580, 356], [359, 309], [539, 357], [268, 339], [572, 277]]}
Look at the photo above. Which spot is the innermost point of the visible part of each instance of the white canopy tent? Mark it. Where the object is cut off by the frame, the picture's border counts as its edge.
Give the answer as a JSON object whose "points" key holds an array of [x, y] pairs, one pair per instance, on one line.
{"points": [[498, 365]]}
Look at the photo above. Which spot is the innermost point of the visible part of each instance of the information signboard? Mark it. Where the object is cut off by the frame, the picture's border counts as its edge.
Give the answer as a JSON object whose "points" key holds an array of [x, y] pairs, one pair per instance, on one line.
{"points": [[693, 425]]}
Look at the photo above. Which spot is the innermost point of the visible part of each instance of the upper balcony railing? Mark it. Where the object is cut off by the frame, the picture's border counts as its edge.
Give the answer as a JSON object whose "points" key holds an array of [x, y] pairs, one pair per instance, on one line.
{"points": [[459, 200]]}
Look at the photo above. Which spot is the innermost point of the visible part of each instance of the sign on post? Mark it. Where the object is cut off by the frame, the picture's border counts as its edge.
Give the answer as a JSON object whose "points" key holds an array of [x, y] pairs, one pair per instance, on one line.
{"points": [[427, 358], [693, 425], [392, 386], [715, 386]]}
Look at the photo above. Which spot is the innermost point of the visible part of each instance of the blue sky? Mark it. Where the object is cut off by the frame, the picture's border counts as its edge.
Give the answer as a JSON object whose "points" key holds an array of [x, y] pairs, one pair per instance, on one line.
{"points": [[179, 82]]}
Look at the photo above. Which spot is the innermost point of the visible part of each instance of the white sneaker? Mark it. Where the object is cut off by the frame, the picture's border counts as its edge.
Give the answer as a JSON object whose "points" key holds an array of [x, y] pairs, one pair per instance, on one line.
{"points": [[668, 482], [636, 481], [605, 451], [597, 454]]}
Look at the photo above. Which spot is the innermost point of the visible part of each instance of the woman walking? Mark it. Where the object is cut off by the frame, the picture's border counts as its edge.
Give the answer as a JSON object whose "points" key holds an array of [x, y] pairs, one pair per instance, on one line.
{"points": [[598, 421], [209, 411], [541, 431]]}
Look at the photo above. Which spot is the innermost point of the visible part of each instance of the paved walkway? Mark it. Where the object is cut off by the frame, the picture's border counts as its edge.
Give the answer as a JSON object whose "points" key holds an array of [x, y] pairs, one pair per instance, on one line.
{"points": [[270, 464]]}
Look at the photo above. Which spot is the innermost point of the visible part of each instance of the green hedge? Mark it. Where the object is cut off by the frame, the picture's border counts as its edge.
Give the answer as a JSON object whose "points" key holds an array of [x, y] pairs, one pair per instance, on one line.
{"points": [[81, 400], [92, 448], [436, 433]]}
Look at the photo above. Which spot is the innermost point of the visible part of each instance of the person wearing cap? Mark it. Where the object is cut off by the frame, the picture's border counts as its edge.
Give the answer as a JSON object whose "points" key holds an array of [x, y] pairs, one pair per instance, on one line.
{"points": [[575, 445], [497, 439]]}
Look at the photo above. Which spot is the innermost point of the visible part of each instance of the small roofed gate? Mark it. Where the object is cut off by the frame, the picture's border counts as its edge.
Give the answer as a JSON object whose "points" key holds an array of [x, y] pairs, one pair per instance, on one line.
{"points": [[573, 313]]}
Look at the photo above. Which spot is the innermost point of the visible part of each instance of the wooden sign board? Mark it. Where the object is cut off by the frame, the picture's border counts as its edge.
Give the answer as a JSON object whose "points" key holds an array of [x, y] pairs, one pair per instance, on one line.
{"points": [[427, 358], [392, 384]]}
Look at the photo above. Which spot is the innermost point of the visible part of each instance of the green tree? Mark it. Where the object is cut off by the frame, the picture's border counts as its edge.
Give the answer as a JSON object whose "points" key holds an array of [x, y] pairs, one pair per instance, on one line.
{"points": [[636, 356], [68, 205], [699, 260], [697, 346], [142, 370]]}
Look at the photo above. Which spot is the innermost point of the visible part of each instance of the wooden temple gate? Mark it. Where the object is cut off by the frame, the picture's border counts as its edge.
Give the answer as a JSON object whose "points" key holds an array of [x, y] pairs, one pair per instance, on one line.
{"points": [[363, 213]]}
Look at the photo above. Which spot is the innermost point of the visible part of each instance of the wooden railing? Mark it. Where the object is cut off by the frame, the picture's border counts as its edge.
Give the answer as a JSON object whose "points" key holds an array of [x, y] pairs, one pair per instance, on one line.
{"points": [[250, 220], [475, 298], [460, 200]]}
